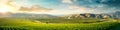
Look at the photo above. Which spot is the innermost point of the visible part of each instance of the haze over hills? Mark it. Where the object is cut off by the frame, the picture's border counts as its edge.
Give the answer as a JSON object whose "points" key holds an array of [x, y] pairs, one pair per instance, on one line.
{"points": [[84, 15], [27, 15]]}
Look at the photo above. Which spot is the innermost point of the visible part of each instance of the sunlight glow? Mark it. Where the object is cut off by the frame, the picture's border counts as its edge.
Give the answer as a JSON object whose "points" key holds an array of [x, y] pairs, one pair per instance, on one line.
{"points": [[5, 8]]}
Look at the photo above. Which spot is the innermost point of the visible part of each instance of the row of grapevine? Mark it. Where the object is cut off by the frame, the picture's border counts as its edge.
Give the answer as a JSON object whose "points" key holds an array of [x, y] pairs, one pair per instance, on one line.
{"points": [[98, 26], [94, 26]]}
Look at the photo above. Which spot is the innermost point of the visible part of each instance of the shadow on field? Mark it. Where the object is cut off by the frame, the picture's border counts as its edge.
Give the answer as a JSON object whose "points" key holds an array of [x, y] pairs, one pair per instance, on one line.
{"points": [[11, 28], [117, 27]]}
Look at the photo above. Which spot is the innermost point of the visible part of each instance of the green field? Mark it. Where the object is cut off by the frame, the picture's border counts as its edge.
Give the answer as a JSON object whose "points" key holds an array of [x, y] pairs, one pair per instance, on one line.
{"points": [[58, 24]]}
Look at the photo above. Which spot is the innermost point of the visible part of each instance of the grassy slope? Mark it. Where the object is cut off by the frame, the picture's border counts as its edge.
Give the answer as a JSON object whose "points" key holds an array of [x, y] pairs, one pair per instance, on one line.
{"points": [[117, 27], [16, 22], [58, 20], [26, 24]]}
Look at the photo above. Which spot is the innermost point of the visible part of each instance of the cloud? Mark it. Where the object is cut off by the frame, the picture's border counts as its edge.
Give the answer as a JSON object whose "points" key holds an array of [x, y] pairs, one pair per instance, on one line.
{"points": [[24, 6], [34, 8], [93, 6], [3, 1], [66, 1], [74, 7], [113, 3], [96, 3], [69, 6]]}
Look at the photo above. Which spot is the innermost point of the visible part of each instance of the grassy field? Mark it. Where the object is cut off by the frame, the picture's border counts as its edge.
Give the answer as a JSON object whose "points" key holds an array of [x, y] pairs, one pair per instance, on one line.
{"points": [[57, 24]]}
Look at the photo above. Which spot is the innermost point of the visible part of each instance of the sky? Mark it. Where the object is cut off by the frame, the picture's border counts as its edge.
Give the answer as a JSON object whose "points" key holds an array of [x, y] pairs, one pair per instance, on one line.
{"points": [[60, 7]]}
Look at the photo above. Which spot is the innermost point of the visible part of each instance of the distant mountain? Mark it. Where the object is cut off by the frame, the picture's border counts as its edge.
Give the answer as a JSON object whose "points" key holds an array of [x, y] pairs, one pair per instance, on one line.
{"points": [[117, 14], [32, 15], [26, 15], [90, 15], [84, 15]]}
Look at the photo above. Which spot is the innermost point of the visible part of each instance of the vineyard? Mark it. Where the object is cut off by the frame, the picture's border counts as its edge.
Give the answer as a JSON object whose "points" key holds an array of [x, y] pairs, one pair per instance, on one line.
{"points": [[26, 24]]}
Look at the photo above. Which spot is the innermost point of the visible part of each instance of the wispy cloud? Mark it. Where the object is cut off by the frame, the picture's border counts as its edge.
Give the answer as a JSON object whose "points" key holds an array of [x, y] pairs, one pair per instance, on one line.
{"points": [[93, 6], [66, 1], [63, 6], [34, 8], [24, 6]]}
